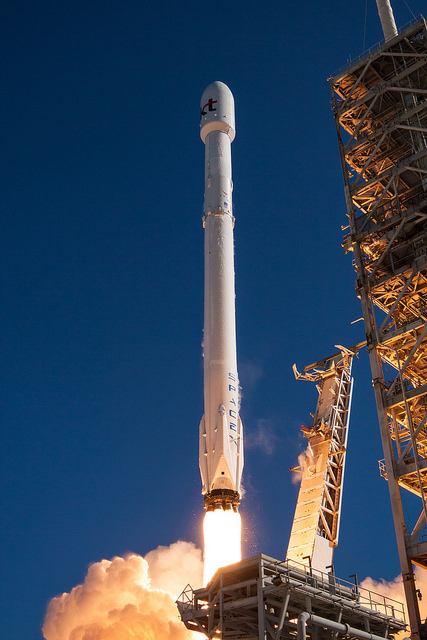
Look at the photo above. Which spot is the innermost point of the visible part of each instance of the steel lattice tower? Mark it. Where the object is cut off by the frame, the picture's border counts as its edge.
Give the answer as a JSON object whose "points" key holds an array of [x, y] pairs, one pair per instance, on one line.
{"points": [[380, 107], [315, 527]]}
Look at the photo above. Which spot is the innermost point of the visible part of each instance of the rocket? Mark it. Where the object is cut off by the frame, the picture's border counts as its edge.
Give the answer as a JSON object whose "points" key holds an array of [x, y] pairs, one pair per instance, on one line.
{"points": [[221, 432]]}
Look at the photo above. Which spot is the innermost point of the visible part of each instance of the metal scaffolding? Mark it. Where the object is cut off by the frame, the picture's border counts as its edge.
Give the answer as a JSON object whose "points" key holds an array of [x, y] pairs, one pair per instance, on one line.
{"points": [[380, 107], [264, 599], [316, 521]]}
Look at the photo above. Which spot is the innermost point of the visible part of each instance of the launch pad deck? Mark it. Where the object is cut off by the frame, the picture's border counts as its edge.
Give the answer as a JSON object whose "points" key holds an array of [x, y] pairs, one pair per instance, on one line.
{"points": [[262, 598]]}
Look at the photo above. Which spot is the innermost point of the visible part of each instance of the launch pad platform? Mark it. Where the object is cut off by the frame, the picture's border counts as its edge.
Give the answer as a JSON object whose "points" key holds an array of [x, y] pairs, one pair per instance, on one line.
{"points": [[265, 599]]}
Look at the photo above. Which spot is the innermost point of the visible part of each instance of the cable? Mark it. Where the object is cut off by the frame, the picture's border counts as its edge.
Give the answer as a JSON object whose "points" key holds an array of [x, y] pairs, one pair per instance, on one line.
{"points": [[409, 9], [364, 32]]}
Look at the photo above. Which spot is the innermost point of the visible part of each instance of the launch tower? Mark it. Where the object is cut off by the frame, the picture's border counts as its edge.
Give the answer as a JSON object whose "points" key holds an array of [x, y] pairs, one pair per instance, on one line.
{"points": [[380, 107], [315, 527]]}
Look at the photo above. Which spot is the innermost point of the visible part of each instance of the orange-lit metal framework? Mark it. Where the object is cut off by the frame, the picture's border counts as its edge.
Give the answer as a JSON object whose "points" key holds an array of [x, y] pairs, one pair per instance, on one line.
{"points": [[264, 599], [315, 526], [380, 107]]}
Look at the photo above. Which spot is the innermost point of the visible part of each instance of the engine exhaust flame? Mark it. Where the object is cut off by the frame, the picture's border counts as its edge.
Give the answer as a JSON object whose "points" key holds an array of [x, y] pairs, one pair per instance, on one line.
{"points": [[222, 535]]}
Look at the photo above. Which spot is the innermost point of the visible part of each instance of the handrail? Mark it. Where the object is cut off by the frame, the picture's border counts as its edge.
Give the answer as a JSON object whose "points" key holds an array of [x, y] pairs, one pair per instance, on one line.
{"points": [[374, 47]]}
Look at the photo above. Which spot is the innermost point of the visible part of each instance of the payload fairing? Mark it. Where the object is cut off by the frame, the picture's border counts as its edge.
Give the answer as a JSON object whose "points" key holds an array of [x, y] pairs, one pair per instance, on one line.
{"points": [[221, 432]]}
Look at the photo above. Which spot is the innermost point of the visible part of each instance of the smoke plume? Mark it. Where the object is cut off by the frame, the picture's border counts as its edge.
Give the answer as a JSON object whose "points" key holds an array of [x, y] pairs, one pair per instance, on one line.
{"points": [[264, 438], [394, 590], [128, 598], [172, 568], [305, 460]]}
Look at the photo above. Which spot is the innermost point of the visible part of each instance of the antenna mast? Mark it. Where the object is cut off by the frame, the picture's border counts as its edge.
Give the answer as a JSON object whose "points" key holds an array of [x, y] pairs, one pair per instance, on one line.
{"points": [[387, 19]]}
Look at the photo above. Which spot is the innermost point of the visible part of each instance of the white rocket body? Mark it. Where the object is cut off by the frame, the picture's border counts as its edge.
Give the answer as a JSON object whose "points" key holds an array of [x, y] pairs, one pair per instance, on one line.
{"points": [[221, 433]]}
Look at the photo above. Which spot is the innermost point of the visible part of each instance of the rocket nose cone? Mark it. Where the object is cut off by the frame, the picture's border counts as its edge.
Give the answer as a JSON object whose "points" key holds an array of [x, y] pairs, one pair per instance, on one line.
{"points": [[219, 89], [217, 110]]}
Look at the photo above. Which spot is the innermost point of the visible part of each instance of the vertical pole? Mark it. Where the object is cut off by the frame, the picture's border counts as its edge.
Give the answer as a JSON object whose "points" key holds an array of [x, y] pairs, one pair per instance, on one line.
{"points": [[387, 19], [261, 606], [392, 481]]}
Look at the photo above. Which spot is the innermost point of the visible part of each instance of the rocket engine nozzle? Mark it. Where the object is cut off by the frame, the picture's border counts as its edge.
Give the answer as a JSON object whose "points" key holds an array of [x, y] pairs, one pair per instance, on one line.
{"points": [[225, 499]]}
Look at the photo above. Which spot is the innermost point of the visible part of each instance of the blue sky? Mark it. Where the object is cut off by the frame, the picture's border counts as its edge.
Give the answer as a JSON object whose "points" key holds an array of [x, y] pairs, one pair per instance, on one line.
{"points": [[102, 278]]}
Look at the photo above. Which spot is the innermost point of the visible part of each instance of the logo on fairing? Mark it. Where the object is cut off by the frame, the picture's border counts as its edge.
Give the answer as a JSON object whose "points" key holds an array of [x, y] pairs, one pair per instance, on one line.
{"points": [[210, 107]]}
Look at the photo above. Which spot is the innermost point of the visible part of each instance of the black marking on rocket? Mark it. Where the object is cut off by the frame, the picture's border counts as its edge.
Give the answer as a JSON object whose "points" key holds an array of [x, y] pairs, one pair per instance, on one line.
{"points": [[210, 105]]}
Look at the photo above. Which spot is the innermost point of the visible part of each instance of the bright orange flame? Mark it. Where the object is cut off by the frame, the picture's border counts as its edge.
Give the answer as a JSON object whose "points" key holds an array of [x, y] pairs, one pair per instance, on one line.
{"points": [[222, 531]]}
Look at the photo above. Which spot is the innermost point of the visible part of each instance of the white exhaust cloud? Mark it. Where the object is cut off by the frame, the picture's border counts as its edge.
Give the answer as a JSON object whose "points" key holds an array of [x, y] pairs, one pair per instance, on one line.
{"points": [[128, 598], [394, 590], [172, 568], [305, 460]]}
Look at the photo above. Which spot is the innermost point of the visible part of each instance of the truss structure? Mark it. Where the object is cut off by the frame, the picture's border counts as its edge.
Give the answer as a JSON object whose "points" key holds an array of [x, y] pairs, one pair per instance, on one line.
{"points": [[264, 599], [315, 526], [380, 107]]}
